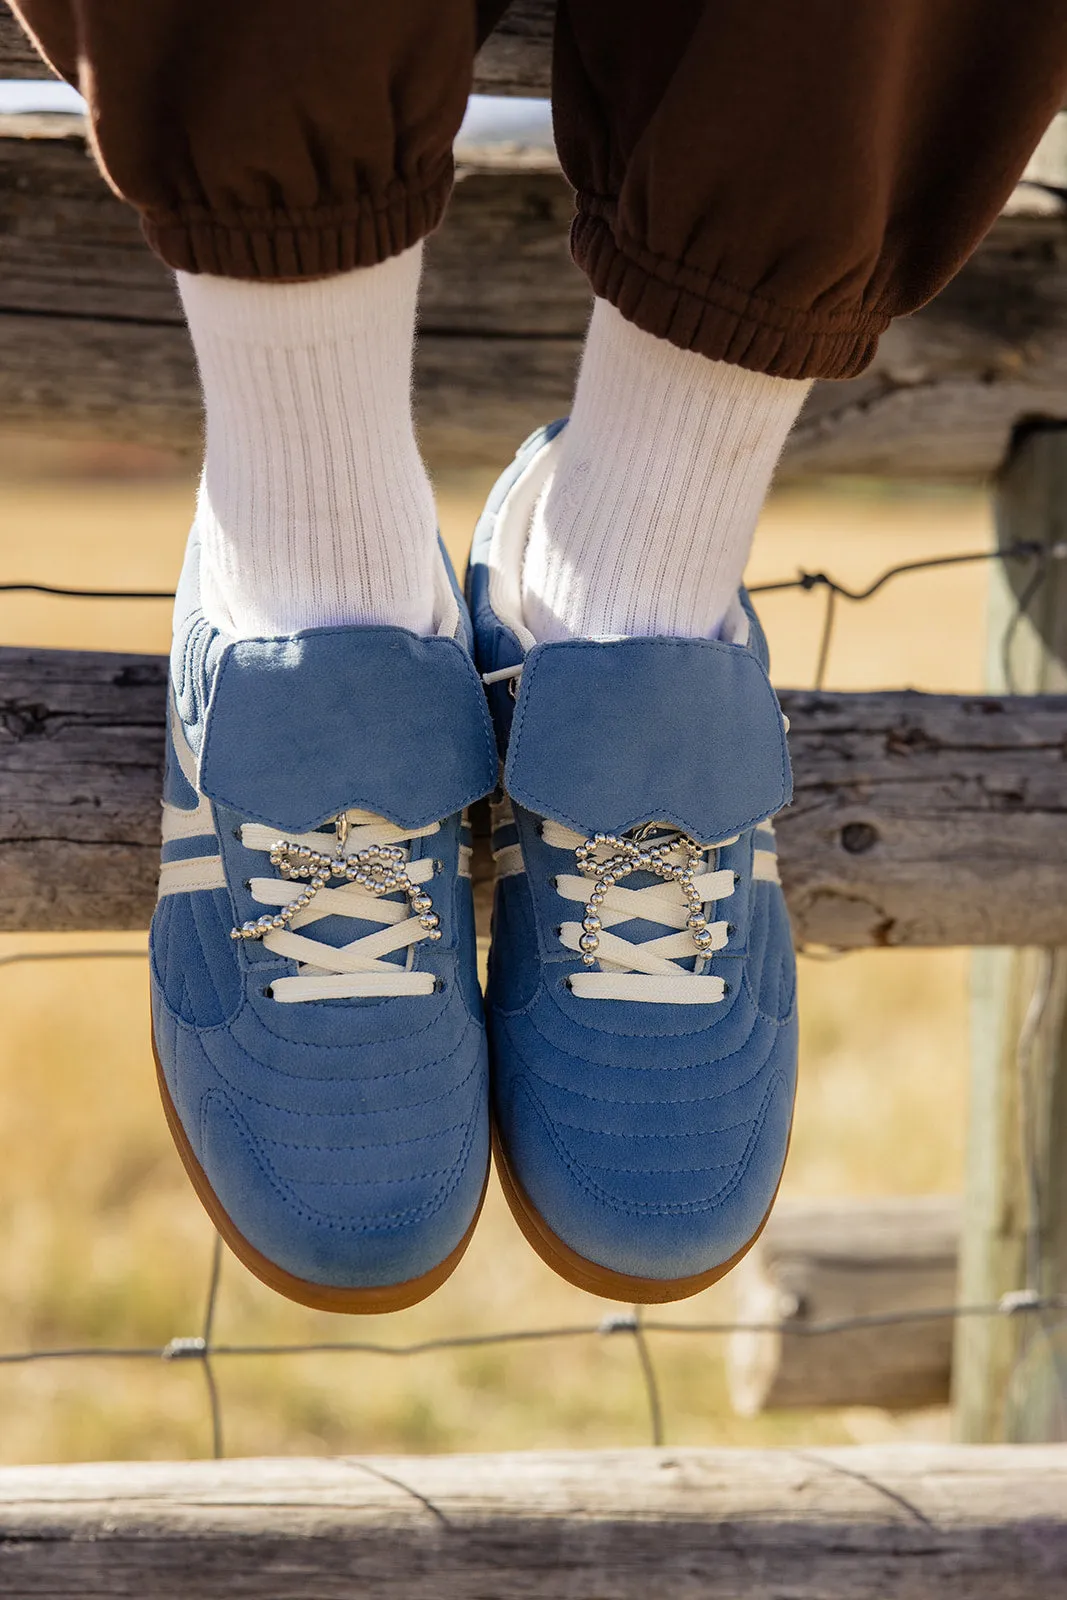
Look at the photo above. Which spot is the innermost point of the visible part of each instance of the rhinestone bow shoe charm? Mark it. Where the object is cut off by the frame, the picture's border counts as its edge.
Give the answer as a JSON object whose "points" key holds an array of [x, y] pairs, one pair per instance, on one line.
{"points": [[638, 855], [380, 869]]}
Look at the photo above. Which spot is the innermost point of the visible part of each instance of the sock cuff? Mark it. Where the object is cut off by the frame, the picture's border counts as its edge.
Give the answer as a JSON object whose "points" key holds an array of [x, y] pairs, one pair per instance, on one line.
{"points": [[617, 350], [304, 314], [646, 521]]}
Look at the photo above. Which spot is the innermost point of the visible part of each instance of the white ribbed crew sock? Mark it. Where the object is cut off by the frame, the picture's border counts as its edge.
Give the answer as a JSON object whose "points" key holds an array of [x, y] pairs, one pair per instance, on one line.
{"points": [[646, 523], [315, 508]]}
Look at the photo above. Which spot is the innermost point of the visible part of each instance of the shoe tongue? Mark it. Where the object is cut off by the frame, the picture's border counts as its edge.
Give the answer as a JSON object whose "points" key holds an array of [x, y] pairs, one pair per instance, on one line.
{"points": [[335, 719], [609, 736]]}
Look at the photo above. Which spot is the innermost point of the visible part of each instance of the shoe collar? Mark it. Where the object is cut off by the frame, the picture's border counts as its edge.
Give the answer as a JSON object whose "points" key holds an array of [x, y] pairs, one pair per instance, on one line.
{"points": [[290, 731], [500, 543], [607, 735]]}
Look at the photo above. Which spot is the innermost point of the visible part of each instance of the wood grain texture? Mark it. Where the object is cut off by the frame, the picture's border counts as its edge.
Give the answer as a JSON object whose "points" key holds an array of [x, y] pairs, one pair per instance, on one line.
{"points": [[850, 1524], [70, 248], [92, 342], [921, 819], [81, 749], [1010, 1375], [820, 1261], [516, 59], [912, 814], [949, 384], [18, 58]]}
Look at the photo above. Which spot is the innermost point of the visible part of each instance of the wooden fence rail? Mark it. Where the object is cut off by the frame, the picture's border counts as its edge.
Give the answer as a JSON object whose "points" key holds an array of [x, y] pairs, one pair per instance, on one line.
{"points": [[824, 1261], [94, 343], [851, 1524], [917, 818]]}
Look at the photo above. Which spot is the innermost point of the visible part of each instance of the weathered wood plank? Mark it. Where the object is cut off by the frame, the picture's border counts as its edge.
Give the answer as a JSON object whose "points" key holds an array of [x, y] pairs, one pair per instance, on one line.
{"points": [[18, 58], [851, 1524], [94, 377], [93, 341], [515, 60], [70, 248], [503, 313], [81, 745], [917, 820], [950, 383], [1010, 1375], [478, 395], [820, 1261]]}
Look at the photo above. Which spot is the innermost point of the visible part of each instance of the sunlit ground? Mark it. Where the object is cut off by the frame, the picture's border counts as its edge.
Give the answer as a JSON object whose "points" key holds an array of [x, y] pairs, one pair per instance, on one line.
{"points": [[101, 1240]]}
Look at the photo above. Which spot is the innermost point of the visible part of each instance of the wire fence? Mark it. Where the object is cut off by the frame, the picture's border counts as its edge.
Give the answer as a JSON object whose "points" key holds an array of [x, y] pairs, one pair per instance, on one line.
{"points": [[1045, 1314]]}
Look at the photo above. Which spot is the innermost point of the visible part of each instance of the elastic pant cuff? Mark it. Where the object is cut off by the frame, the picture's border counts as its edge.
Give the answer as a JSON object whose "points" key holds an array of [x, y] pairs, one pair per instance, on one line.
{"points": [[292, 244], [697, 311]]}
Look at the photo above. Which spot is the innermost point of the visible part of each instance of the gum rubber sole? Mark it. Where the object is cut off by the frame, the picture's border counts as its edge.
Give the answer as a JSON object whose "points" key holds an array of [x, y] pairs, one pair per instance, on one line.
{"points": [[319, 1296], [589, 1275]]}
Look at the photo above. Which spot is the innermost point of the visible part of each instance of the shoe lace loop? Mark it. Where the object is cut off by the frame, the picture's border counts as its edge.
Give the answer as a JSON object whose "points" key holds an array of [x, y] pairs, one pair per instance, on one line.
{"points": [[646, 970], [376, 882]]}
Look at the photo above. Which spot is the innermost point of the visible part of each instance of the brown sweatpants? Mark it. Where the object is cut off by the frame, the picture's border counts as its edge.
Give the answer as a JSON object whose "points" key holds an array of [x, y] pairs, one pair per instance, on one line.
{"points": [[766, 182]]}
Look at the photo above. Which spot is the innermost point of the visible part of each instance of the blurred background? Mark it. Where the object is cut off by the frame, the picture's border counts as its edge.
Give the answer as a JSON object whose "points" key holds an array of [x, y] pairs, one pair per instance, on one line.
{"points": [[101, 1239]]}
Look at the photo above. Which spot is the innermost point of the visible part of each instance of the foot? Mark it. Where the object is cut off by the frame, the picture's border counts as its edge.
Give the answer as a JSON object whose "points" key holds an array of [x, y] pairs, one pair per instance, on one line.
{"points": [[641, 1001], [317, 1022]]}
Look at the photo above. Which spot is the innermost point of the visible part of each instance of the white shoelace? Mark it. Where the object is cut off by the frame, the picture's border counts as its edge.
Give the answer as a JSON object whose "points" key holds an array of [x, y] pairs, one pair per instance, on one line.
{"points": [[645, 970], [379, 883]]}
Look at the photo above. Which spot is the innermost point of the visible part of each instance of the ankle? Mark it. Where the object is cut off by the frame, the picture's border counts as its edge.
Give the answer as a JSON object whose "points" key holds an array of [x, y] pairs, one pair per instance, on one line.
{"points": [[315, 507], [647, 521]]}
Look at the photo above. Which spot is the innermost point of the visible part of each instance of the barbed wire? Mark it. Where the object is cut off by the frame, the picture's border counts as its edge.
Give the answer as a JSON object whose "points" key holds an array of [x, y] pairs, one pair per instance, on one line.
{"points": [[1018, 1303], [636, 1323], [61, 592], [1049, 1312], [1016, 550]]}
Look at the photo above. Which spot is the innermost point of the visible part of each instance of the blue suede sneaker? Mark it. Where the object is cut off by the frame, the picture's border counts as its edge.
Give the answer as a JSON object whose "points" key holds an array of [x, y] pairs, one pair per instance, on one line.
{"points": [[316, 1016], [641, 1000]]}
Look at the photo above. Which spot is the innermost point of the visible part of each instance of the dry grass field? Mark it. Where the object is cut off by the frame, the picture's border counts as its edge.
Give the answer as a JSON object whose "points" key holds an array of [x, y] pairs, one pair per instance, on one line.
{"points": [[101, 1240]]}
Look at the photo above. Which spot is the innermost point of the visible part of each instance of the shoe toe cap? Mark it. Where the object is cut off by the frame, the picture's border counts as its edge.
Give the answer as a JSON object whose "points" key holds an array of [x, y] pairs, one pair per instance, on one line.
{"points": [[653, 1205], [342, 1218], [346, 1167]]}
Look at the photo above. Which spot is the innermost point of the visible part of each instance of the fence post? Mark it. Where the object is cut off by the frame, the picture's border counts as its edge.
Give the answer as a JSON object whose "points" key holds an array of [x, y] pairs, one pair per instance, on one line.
{"points": [[1010, 1373]]}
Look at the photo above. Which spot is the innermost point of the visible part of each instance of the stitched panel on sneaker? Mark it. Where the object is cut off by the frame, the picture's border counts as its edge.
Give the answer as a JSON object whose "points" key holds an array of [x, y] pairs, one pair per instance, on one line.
{"points": [[192, 957]]}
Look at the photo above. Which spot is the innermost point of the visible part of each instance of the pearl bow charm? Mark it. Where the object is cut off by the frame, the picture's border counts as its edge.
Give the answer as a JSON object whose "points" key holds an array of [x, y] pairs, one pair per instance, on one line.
{"points": [[638, 855], [379, 869]]}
